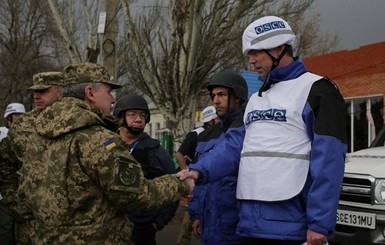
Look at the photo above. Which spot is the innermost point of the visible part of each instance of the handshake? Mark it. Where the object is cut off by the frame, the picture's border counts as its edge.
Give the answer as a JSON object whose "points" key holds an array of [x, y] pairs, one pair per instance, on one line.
{"points": [[189, 176]]}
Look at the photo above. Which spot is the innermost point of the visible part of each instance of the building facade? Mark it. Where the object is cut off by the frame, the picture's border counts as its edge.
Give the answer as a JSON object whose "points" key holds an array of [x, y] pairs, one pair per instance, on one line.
{"points": [[360, 76]]}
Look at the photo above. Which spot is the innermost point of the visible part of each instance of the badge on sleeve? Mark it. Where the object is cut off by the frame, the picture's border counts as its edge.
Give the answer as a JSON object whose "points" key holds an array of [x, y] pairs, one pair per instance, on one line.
{"points": [[128, 173], [109, 144]]}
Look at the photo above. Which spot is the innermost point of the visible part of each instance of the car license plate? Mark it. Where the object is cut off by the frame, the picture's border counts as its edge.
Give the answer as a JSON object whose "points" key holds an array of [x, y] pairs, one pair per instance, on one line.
{"points": [[357, 219]]}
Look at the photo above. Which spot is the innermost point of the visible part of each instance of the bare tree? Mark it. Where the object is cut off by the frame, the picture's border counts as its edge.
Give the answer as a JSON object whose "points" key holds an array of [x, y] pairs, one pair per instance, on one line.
{"points": [[310, 42], [24, 48], [173, 47], [76, 22]]}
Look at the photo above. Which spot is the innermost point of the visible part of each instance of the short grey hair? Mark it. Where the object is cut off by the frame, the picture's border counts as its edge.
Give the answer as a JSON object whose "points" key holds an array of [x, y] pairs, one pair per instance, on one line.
{"points": [[59, 89], [77, 90]]}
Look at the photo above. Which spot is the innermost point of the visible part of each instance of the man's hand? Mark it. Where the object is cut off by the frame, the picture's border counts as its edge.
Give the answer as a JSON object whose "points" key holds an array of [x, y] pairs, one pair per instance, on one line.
{"points": [[191, 184], [314, 238], [196, 228], [188, 174]]}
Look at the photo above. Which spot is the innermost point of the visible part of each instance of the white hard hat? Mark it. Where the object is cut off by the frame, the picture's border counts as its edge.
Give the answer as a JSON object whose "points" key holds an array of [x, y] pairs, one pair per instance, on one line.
{"points": [[208, 114], [14, 108], [266, 33]]}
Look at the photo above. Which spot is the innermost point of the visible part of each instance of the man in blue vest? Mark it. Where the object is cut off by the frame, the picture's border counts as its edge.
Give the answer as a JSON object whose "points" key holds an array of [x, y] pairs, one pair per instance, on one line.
{"points": [[292, 161], [214, 208]]}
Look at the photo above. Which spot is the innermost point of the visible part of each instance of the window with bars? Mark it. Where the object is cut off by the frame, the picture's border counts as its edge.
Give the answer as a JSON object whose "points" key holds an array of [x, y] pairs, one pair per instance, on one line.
{"points": [[365, 118]]}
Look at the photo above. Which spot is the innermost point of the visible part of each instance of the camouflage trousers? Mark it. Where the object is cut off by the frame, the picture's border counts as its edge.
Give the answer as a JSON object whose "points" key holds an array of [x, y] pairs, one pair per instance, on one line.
{"points": [[185, 232]]}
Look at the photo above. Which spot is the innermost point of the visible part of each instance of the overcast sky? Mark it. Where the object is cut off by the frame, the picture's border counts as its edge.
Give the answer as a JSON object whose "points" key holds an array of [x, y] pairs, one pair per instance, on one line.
{"points": [[357, 22]]}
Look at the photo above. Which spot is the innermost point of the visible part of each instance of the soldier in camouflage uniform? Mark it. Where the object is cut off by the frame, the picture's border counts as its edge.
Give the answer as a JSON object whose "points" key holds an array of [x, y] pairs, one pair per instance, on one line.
{"points": [[7, 233], [78, 178], [47, 88]]}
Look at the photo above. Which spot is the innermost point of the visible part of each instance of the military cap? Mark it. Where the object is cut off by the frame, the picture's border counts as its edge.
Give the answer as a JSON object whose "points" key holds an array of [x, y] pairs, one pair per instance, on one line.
{"points": [[87, 73], [45, 80]]}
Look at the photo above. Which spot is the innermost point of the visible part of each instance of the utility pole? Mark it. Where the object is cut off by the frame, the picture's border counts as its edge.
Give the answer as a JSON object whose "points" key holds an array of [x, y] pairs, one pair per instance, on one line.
{"points": [[108, 34]]}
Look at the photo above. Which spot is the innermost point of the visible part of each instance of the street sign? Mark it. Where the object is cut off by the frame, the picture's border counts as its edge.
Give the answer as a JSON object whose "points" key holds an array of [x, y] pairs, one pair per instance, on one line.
{"points": [[102, 22]]}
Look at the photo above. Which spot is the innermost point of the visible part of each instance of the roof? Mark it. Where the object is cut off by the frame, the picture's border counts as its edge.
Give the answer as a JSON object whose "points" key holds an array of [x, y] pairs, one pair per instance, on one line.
{"points": [[366, 60]]}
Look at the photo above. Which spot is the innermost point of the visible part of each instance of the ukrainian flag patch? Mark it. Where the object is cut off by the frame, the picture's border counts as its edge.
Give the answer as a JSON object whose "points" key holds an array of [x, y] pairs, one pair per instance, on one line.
{"points": [[109, 144]]}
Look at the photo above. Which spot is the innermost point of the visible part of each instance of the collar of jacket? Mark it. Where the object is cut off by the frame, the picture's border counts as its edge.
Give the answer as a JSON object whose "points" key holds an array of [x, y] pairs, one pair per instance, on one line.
{"points": [[71, 114], [289, 72]]}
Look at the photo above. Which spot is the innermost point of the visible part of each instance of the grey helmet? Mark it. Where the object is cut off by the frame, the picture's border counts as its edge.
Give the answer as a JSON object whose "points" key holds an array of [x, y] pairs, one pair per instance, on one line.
{"points": [[131, 101], [232, 80]]}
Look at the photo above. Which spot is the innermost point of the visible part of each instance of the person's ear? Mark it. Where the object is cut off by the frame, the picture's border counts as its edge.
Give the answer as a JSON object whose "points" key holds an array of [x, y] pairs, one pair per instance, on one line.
{"points": [[237, 100], [89, 93], [280, 49]]}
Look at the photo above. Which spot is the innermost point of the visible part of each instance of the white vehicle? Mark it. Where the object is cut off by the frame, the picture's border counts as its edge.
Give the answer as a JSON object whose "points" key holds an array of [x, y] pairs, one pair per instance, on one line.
{"points": [[361, 212]]}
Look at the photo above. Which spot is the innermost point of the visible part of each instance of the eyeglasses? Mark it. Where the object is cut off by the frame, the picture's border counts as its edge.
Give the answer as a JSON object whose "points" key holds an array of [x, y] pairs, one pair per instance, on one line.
{"points": [[220, 95], [134, 115]]}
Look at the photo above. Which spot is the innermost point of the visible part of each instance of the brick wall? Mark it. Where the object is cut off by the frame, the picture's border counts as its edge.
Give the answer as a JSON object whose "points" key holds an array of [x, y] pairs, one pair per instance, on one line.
{"points": [[358, 72]]}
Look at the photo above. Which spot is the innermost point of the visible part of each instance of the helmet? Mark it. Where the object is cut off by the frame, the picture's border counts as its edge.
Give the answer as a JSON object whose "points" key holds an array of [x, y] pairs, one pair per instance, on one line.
{"points": [[131, 101], [266, 33], [232, 80], [208, 114], [14, 108]]}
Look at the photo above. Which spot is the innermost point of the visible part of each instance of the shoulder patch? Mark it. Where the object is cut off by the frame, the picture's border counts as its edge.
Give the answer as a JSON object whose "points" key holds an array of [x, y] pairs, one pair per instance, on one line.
{"points": [[109, 144], [128, 173]]}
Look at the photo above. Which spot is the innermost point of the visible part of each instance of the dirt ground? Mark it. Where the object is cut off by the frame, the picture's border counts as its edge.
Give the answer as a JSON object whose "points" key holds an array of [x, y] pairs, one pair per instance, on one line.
{"points": [[169, 234]]}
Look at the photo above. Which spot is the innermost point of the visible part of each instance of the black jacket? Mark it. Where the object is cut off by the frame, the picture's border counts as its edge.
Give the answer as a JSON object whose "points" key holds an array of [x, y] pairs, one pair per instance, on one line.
{"points": [[155, 162]]}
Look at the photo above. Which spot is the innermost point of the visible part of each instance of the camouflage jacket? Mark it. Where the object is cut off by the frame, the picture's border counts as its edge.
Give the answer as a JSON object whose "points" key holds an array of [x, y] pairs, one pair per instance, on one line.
{"points": [[20, 131], [12, 149], [78, 179]]}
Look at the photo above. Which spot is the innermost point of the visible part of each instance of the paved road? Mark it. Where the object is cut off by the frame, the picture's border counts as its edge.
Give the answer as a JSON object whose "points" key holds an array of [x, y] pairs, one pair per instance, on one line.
{"points": [[169, 234]]}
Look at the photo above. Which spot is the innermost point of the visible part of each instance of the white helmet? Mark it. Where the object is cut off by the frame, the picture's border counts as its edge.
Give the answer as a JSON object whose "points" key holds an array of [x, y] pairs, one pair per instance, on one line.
{"points": [[266, 33], [14, 108], [208, 114]]}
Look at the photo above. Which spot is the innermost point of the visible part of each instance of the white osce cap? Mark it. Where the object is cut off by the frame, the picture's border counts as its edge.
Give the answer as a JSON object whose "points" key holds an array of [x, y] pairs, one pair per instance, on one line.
{"points": [[14, 108], [208, 114], [266, 33]]}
